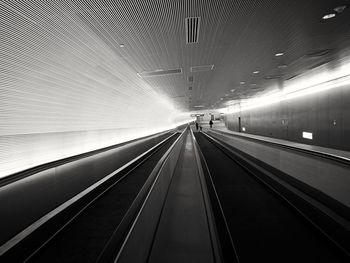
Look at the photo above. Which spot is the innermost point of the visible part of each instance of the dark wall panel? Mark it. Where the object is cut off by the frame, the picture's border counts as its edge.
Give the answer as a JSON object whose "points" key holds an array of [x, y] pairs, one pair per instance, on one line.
{"points": [[326, 114]]}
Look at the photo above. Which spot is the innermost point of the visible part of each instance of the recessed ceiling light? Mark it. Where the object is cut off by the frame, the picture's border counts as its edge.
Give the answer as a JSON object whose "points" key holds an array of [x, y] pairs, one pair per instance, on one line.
{"points": [[226, 95], [221, 98], [242, 82], [122, 45], [232, 90], [340, 9], [256, 72], [253, 84], [279, 54], [328, 16]]}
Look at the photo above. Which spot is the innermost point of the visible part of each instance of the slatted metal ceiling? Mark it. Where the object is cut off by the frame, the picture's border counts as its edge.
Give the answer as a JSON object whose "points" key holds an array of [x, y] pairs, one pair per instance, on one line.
{"points": [[236, 36]]}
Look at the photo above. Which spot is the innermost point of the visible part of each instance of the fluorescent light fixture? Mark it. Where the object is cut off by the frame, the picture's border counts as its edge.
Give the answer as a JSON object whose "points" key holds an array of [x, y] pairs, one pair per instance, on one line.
{"points": [[256, 72], [199, 106], [232, 90], [202, 68], [121, 45], [328, 16], [282, 66], [160, 72], [279, 54], [221, 98], [307, 135]]}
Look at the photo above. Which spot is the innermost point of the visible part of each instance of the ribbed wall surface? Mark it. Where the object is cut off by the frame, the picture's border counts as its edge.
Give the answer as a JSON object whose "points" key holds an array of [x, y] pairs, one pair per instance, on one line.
{"points": [[65, 88]]}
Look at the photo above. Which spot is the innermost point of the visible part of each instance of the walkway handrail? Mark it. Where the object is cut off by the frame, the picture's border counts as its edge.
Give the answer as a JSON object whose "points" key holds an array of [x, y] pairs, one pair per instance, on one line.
{"points": [[208, 208], [324, 155], [139, 238], [226, 250]]}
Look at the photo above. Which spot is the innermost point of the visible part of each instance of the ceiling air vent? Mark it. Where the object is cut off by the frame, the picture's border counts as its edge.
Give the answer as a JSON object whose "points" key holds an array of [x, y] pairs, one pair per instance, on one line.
{"points": [[159, 72], [192, 29], [202, 68]]}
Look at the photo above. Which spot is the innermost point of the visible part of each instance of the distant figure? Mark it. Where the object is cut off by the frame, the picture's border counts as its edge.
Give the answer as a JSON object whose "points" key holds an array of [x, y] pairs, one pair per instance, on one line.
{"points": [[200, 128], [211, 123], [197, 126]]}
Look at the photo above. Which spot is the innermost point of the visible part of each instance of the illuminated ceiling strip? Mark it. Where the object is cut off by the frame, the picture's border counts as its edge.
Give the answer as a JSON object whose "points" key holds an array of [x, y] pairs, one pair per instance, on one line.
{"points": [[283, 96]]}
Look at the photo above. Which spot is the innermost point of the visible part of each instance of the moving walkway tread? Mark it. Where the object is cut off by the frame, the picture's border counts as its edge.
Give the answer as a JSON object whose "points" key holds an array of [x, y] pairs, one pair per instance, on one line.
{"points": [[84, 238], [263, 227]]}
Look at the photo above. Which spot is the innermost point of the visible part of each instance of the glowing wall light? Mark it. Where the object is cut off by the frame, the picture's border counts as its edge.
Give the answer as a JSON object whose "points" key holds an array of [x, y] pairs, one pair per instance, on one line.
{"points": [[307, 135]]}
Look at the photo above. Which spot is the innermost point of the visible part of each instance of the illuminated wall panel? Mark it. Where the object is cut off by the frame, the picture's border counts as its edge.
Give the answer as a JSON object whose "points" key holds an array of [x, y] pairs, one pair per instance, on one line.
{"points": [[65, 89]]}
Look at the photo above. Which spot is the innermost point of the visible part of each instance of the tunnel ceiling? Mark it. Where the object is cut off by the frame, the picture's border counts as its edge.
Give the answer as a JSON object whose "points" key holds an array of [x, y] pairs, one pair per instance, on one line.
{"points": [[203, 53]]}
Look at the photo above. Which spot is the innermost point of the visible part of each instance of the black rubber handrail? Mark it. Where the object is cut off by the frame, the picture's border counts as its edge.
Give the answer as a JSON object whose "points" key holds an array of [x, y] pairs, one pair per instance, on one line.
{"points": [[115, 244], [213, 231], [328, 156], [228, 252], [42, 167]]}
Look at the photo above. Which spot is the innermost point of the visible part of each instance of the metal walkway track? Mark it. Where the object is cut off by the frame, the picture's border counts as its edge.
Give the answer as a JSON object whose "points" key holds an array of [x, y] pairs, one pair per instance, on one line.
{"points": [[263, 226]]}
